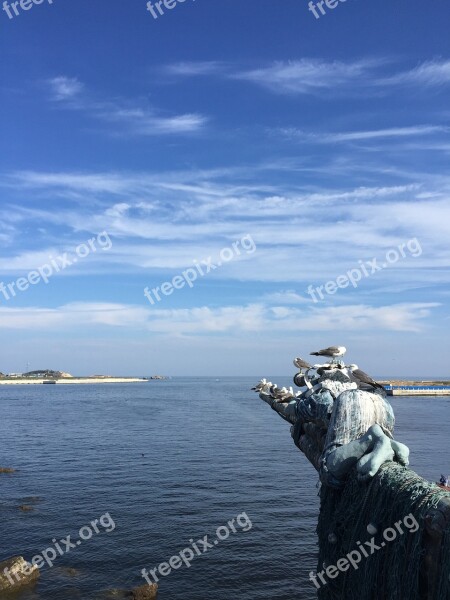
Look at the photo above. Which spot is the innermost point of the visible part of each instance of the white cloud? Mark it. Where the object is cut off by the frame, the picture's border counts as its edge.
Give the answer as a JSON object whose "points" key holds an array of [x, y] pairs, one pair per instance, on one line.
{"points": [[71, 316], [65, 88], [309, 76], [192, 68], [287, 297], [350, 136], [146, 122], [429, 73], [235, 320], [318, 76], [160, 223], [135, 119]]}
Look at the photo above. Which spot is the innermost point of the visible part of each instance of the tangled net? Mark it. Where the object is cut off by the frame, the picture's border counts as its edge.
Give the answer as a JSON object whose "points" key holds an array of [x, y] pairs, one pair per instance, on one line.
{"points": [[397, 570]]}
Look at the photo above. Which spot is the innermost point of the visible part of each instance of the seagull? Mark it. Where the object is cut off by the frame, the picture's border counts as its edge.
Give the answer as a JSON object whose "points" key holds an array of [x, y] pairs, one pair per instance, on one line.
{"points": [[285, 394], [332, 351], [301, 364], [259, 386], [274, 390], [266, 389], [361, 377], [263, 387], [283, 391]]}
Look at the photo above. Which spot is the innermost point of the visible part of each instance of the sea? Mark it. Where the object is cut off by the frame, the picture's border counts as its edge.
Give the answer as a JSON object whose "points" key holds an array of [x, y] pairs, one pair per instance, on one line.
{"points": [[160, 465]]}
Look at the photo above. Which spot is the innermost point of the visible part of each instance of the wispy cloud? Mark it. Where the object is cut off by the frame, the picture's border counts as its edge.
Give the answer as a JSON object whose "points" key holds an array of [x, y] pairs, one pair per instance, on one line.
{"points": [[70, 316], [161, 222], [145, 122], [194, 69], [135, 119], [237, 320], [309, 76], [430, 73], [313, 76], [354, 136], [286, 297], [65, 88]]}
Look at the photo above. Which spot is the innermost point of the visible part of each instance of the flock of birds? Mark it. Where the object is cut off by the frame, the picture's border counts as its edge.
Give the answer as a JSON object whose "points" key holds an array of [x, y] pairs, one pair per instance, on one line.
{"points": [[334, 353]]}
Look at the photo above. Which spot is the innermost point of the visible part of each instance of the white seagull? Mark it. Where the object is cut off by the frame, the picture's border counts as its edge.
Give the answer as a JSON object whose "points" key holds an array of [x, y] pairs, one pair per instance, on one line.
{"points": [[332, 352], [259, 386], [285, 394], [274, 390], [301, 364]]}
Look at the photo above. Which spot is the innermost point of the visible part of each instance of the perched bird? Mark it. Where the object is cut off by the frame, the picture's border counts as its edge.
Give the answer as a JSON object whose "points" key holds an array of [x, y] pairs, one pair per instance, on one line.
{"points": [[362, 378], [301, 364], [332, 351], [274, 390], [266, 388], [259, 386], [285, 395]]}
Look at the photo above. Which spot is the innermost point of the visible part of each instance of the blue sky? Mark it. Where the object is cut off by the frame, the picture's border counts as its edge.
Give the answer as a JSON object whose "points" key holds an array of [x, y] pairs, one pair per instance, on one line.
{"points": [[324, 141]]}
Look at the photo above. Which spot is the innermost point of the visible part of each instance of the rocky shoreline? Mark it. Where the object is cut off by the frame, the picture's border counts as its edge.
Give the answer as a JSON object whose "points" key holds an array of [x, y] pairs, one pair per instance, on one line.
{"points": [[17, 574]]}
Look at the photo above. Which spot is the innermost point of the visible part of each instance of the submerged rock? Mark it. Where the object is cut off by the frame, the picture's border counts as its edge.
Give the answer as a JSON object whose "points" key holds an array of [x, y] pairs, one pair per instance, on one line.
{"points": [[32, 499], [114, 594], [70, 571], [144, 592], [15, 572], [66, 572], [26, 508]]}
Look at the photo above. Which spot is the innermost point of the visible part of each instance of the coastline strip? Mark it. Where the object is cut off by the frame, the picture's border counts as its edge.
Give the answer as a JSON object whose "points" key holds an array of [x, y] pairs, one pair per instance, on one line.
{"points": [[73, 381]]}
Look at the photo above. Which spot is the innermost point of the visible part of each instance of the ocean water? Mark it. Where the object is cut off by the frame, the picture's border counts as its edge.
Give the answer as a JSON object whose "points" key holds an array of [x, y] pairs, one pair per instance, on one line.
{"points": [[171, 462]]}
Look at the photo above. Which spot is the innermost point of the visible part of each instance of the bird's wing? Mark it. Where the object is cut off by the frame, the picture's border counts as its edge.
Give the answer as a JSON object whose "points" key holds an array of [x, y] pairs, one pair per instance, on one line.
{"points": [[365, 378]]}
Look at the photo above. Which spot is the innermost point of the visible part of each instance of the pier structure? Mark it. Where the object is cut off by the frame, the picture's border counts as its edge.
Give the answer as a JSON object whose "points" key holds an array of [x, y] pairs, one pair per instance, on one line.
{"points": [[417, 390]]}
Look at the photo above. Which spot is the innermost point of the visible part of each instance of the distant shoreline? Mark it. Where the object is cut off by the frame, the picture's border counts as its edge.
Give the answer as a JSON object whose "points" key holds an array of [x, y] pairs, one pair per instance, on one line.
{"points": [[73, 380]]}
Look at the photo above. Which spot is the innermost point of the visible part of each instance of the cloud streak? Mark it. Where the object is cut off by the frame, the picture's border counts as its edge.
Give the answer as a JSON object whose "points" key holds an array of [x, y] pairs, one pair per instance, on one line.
{"points": [[376, 134], [235, 320], [315, 76], [309, 76], [163, 222], [135, 120]]}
